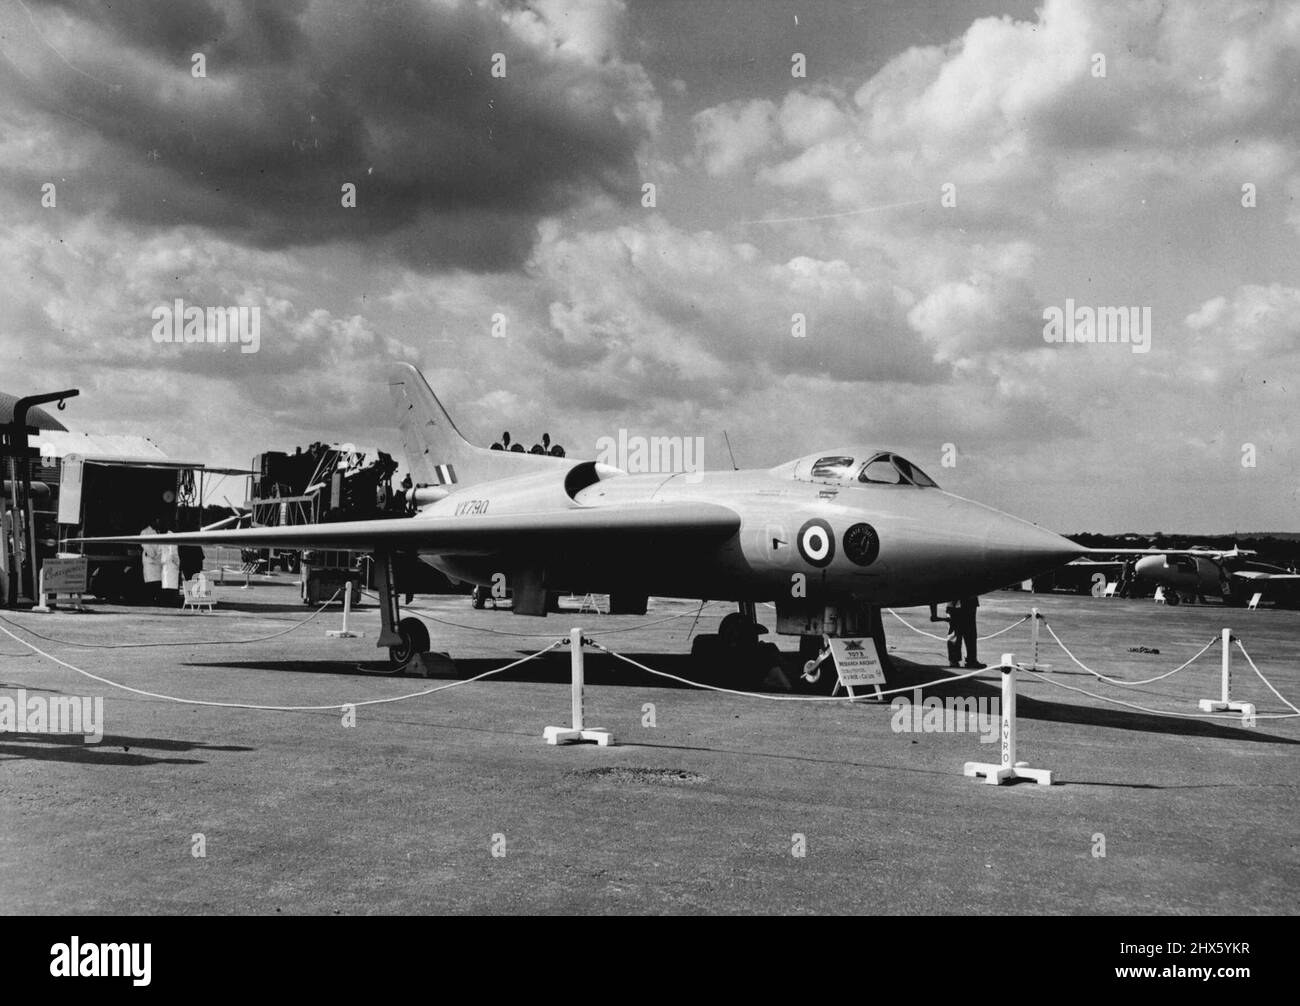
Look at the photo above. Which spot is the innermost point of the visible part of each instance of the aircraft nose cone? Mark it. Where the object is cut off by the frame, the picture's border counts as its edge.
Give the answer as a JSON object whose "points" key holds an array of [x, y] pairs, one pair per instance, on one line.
{"points": [[1149, 565], [1019, 550]]}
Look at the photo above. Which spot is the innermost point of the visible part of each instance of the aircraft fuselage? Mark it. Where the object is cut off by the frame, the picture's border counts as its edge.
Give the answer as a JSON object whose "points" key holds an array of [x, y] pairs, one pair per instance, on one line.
{"points": [[824, 540]]}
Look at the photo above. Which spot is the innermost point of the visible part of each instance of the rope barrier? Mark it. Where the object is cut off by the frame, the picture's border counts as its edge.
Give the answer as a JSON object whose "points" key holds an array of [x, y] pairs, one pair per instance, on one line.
{"points": [[775, 698], [1267, 683], [994, 635], [181, 642], [960, 677], [423, 613], [944, 639], [1120, 681], [283, 709], [1160, 712]]}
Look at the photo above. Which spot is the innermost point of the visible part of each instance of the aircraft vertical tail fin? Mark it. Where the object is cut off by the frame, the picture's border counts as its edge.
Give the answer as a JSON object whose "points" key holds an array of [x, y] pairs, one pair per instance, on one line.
{"points": [[437, 451]]}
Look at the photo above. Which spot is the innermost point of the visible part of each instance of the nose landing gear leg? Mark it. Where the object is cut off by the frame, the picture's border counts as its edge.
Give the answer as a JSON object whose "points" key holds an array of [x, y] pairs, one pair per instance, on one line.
{"points": [[406, 638]]}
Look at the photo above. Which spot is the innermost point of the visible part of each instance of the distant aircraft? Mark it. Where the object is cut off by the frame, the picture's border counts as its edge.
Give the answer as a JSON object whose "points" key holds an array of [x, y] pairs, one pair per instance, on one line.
{"points": [[1201, 572], [1196, 573], [830, 538]]}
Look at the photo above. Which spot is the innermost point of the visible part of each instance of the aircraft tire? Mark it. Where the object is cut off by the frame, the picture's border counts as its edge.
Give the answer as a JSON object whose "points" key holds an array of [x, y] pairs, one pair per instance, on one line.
{"points": [[415, 639]]}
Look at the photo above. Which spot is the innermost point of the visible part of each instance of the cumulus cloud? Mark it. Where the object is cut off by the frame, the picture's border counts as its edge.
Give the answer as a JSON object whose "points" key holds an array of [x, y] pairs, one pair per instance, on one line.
{"points": [[1016, 115], [1254, 329], [727, 136], [452, 165], [85, 318], [655, 309]]}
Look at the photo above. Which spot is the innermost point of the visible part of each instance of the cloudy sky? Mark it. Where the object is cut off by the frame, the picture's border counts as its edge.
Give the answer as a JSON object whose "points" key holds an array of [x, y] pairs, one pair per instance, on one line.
{"points": [[940, 176]]}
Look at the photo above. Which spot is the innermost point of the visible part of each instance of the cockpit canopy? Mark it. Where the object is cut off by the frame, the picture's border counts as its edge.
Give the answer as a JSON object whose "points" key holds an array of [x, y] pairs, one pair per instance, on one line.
{"points": [[863, 468]]}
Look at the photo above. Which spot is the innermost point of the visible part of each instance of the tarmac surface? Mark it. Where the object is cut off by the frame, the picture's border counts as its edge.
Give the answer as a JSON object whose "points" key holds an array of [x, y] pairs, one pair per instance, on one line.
{"points": [[708, 802]]}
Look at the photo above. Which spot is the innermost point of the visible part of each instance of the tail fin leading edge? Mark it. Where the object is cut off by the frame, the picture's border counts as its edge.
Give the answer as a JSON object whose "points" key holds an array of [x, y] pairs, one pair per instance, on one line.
{"points": [[437, 451]]}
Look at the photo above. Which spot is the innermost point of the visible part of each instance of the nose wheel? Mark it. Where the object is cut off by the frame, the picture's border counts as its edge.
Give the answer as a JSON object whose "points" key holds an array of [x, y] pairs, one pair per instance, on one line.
{"points": [[414, 640], [405, 638]]}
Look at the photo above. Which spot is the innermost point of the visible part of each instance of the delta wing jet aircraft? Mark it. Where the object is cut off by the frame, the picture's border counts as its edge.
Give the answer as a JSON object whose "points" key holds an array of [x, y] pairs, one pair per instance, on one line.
{"points": [[830, 538]]}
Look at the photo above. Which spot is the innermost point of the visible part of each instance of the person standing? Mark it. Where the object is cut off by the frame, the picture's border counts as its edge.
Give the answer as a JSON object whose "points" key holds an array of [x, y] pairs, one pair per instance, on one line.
{"points": [[1127, 578], [151, 566], [962, 632]]}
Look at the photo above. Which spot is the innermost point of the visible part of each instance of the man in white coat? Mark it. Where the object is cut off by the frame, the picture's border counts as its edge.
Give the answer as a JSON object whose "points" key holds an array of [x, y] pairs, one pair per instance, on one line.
{"points": [[151, 567]]}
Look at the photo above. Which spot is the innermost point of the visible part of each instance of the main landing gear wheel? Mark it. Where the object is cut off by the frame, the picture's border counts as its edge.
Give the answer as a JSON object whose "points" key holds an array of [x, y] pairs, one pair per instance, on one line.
{"points": [[415, 639]]}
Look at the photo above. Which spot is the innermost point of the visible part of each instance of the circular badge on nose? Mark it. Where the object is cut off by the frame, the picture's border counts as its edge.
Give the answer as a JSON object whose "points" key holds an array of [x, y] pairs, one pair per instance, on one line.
{"points": [[816, 542], [862, 544]]}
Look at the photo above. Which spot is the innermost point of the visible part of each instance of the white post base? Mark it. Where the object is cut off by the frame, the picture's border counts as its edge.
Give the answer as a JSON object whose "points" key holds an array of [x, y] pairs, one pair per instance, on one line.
{"points": [[567, 735], [579, 731], [344, 634], [998, 774], [1225, 702], [1216, 706]]}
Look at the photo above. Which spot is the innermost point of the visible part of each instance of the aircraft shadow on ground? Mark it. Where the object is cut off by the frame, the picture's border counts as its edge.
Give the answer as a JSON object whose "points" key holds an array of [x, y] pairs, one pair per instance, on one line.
{"points": [[112, 749], [28, 686], [602, 670]]}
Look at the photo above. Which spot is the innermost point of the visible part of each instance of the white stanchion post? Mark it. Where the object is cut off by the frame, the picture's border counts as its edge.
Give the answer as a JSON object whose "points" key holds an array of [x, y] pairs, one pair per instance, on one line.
{"points": [[1038, 622], [1224, 703], [1008, 769], [1226, 666], [1034, 613], [575, 664], [345, 632], [41, 606], [578, 731]]}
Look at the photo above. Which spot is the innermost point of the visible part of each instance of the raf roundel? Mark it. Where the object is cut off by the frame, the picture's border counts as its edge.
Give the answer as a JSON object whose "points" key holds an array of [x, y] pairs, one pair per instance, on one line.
{"points": [[862, 544], [816, 542]]}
